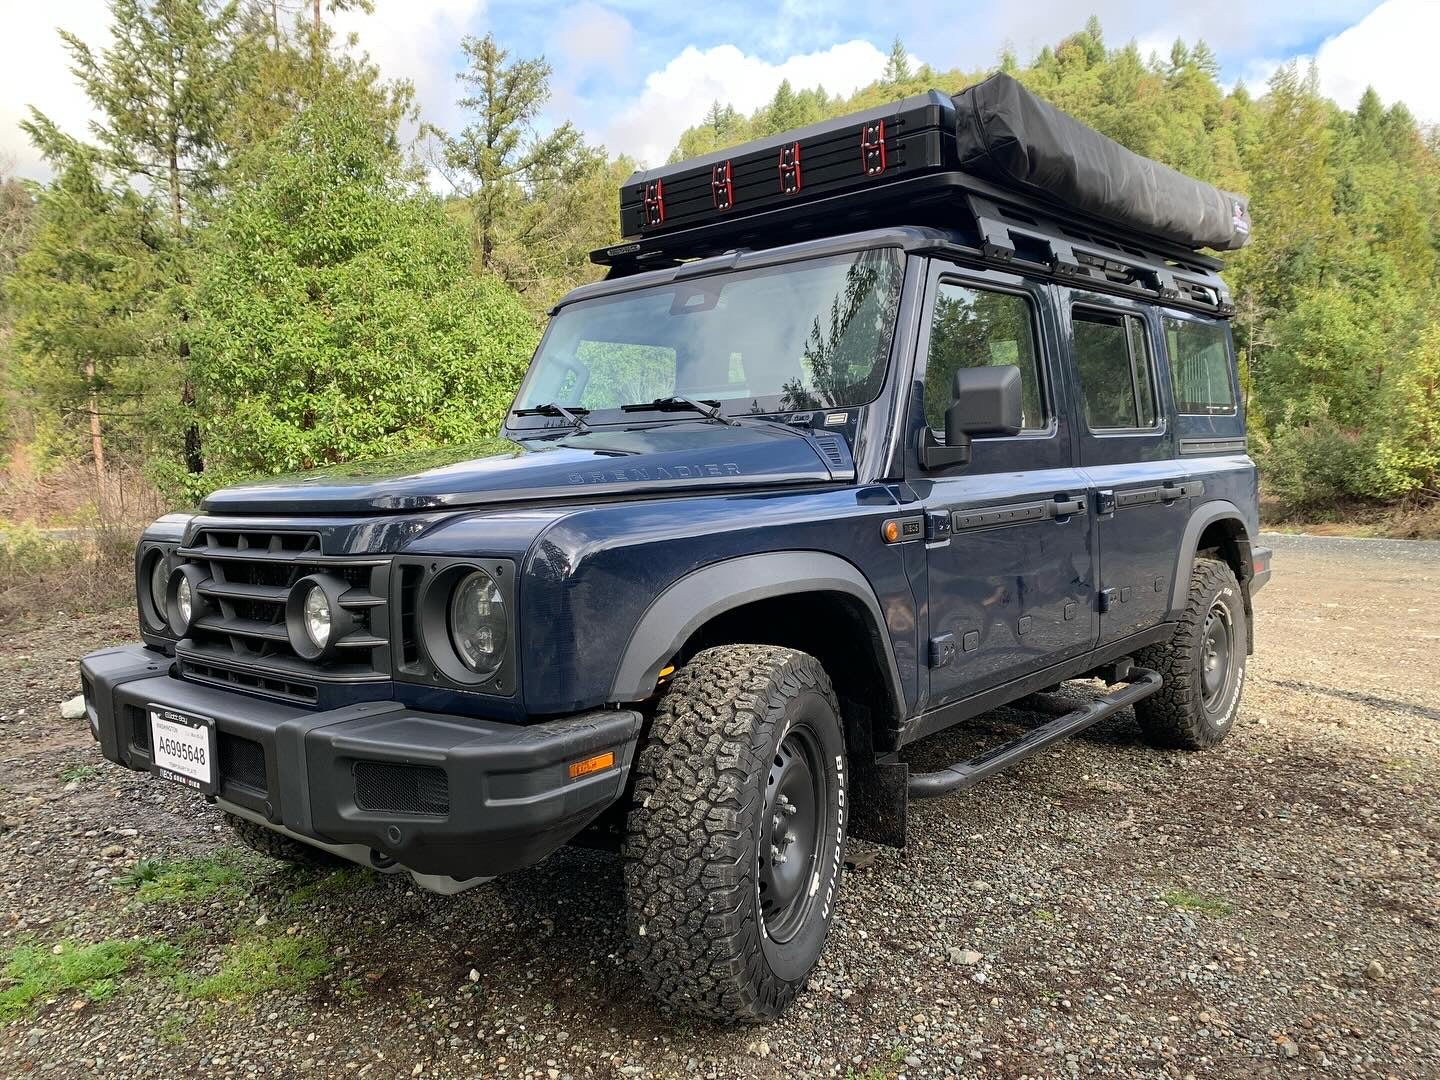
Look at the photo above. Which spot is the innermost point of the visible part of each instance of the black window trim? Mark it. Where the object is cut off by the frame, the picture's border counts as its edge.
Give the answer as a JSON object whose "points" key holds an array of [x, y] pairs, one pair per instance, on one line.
{"points": [[1161, 416], [975, 282], [1231, 359]]}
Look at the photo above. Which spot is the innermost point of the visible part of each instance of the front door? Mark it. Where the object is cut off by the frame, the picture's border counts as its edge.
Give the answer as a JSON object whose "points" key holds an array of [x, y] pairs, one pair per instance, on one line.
{"points": [[1009, 568], [1140, 494]]}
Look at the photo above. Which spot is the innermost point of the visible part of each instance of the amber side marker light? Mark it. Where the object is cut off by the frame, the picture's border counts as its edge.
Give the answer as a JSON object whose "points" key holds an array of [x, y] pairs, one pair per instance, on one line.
{"points": [[592, 764], [892, 531]]}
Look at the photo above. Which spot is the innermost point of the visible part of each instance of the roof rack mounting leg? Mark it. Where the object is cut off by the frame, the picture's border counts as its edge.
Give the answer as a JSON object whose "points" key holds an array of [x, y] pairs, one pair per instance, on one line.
{"points": [[963, 775]]}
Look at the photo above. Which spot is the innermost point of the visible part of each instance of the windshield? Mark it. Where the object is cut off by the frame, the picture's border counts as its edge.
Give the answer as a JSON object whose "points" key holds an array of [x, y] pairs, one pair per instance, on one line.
{"points": [[805, 335]]}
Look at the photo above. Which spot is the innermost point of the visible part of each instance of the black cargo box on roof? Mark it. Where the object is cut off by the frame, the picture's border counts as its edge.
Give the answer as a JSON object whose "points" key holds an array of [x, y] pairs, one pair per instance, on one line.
{"points": [[876, 166]]}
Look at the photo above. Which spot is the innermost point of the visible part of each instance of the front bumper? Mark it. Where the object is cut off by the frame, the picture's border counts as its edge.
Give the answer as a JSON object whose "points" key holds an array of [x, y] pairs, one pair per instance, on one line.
{"points": [[444, 795]]}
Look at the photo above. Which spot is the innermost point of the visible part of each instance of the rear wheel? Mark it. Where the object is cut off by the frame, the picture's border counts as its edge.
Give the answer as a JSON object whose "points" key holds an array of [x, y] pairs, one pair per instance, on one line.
{"points": [[736, 840], [1203, 665]]}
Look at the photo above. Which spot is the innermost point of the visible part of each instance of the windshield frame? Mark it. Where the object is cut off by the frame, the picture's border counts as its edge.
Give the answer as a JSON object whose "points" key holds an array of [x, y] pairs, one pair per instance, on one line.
{"points": [[719, 266]]}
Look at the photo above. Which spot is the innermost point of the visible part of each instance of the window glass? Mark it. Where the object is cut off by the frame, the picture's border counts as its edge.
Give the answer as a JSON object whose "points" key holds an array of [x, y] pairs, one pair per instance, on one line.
{"points": [[980, 328], [1112, 359], [1199, 367], [805, 335]]}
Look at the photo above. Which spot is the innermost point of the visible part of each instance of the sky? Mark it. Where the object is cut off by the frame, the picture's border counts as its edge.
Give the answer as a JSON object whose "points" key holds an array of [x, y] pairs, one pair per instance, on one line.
{"points": [[633, 74]]}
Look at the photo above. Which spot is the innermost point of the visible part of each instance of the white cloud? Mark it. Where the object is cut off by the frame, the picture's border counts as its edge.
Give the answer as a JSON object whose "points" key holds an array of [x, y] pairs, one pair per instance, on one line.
{"points": [[35, 70], [591, 38], [677, 96], [1391, 49], [418, 40]]}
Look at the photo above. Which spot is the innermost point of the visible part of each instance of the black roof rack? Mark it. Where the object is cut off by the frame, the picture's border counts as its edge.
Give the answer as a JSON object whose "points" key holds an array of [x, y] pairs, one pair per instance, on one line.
{"points": [[983, 223]]}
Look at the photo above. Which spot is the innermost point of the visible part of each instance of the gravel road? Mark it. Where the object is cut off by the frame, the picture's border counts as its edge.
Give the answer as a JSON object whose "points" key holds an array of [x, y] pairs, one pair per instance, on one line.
{"points": [[1265, 909]]}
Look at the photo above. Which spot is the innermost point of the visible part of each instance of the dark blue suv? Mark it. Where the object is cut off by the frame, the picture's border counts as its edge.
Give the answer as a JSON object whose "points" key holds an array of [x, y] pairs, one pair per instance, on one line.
{"points": [[775, 500]]}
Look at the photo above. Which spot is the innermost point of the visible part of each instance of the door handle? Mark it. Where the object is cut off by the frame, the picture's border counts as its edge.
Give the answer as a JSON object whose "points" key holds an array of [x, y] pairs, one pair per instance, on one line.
{"points": [[1065, 507], [1170, 490]]}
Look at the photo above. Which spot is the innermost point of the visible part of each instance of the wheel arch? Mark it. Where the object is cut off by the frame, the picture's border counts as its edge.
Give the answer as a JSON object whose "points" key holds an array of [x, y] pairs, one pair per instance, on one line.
{"points": [[1218, 529], [810, 600]]}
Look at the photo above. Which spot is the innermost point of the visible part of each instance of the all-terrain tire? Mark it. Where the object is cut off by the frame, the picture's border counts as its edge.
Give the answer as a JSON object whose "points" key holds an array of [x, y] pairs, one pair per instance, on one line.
{"points": [[722, 924], [1192, 710], [278, 846]]}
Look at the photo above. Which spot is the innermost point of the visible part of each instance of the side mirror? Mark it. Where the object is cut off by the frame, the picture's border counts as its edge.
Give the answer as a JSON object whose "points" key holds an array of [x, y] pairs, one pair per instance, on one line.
{"points": [[987, 401]]}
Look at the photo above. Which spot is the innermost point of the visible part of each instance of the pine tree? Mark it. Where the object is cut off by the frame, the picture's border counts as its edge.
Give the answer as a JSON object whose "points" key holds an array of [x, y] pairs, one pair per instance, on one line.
{"points": [[897, 67], [498, 158]]}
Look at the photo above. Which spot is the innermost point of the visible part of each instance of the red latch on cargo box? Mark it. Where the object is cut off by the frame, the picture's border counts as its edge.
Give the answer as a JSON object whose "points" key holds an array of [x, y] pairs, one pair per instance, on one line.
{"points": [[655, 202], [872, 148], [721, 188], [790, 168]]}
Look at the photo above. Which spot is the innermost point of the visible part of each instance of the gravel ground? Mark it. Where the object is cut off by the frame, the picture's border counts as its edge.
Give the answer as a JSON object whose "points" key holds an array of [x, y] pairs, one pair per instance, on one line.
{"points": [[1265, 909]]}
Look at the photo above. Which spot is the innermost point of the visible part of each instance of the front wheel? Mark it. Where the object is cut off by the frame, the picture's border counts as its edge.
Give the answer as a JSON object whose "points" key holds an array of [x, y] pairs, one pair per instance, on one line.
{"points": [[1202, 665], [736, 840]]}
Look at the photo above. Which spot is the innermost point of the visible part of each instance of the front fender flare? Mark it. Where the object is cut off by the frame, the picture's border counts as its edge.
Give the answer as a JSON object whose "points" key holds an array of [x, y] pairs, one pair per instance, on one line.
{"points": [[695, 599]]}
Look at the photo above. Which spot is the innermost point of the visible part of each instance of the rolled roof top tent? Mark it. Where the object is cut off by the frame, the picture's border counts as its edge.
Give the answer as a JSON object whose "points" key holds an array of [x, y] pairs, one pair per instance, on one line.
{"points": [[1019, 180]]}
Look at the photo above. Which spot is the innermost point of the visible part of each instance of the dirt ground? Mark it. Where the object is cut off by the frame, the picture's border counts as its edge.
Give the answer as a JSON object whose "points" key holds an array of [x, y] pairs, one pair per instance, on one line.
{"points": [[1265, 909]]}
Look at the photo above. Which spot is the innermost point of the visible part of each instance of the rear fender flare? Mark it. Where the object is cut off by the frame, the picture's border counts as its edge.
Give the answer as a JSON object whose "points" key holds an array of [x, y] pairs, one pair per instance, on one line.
{"points": [[692, 601], [1200, 520]]}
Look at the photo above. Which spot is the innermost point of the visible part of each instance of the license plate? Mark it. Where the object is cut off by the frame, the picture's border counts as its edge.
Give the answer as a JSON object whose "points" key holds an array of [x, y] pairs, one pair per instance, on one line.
{"points": [[182, 748]]}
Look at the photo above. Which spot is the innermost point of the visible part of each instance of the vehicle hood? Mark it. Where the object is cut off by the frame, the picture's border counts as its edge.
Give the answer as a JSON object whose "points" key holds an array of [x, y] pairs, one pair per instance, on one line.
{"points": [[675, 455]]}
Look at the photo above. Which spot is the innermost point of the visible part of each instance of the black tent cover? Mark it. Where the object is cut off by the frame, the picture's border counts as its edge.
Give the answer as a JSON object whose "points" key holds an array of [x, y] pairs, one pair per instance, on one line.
{"points": [[1009, 136]]}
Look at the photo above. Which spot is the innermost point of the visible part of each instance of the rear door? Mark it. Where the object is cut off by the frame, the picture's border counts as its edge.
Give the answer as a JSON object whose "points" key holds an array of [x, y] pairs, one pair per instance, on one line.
{"points": [[1127, 449], [1009, 563]]}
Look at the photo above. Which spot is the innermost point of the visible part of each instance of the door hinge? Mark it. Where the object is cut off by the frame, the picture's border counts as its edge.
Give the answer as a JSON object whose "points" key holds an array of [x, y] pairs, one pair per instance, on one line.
{"points": [[937, 525], [1108, 599], [942, 650]]}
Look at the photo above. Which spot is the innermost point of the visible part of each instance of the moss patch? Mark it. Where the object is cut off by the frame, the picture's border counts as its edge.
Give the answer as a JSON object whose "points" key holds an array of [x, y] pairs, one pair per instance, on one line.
{"points": [[258, 965], [226, 874], [1204, 903], [97, 970]]}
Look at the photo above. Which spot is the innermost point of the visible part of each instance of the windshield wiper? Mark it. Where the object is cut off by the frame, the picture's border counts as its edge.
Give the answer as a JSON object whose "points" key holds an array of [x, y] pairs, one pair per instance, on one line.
{"points": [[708, 409], [575, 416]]}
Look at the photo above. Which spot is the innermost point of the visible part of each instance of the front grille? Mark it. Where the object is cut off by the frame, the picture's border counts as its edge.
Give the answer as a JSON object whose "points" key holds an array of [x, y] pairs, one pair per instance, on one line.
{"points": [[388, 787], [242, 761], [243, 642]]}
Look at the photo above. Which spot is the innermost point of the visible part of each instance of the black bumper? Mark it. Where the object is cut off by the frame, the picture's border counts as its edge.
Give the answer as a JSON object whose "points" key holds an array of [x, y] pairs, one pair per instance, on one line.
{"points": [[440, 794], [1260, 566]]}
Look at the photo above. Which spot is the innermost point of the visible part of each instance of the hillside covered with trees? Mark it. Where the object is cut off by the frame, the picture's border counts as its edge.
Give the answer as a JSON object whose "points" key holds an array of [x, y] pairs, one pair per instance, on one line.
{"points": [[246, 268]]}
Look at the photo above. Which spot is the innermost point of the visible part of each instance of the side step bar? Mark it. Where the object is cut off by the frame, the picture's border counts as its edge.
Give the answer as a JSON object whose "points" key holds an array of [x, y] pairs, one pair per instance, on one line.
{"points": [[1142, 682]]}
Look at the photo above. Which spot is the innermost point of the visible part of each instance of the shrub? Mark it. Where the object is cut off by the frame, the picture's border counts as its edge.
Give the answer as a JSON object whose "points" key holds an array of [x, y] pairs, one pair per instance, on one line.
{"points": [[1314, 462]]}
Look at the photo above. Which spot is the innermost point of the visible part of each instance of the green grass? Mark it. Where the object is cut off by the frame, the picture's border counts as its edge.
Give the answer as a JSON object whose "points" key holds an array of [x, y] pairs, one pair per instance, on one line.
{"points": [[257, 965], [880, 1070], [97, 970], [1204, 903], [78, 772], [224, 874]]}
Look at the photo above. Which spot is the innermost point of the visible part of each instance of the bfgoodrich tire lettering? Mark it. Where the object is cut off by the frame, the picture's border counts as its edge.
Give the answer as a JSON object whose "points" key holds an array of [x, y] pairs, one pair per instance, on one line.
{"points": [[720, 812], [1203, 665]]}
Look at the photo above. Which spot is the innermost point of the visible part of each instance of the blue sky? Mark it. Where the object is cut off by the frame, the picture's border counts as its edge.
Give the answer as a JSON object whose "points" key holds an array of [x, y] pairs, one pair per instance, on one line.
{"points": [[633, 74]]}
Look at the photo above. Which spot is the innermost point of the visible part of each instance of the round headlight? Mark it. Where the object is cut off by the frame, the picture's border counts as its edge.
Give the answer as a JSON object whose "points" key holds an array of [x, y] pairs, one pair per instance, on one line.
{"points": [[159, 579], [318, 618], [478, 627]]}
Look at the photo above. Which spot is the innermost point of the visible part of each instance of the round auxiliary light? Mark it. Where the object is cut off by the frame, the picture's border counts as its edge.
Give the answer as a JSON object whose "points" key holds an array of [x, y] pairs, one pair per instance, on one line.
{"points": [[184, 602], [318, 619], [315, 620], [479, 628]]}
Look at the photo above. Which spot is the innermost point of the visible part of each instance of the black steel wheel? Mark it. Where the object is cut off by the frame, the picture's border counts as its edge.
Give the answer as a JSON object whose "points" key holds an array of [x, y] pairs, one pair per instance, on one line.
{"points": [[1203, 665], [735, 843]]}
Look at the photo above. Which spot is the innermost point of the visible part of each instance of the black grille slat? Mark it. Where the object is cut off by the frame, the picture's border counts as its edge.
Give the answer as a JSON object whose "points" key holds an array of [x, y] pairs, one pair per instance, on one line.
{"points": [[251, 574], [242, 761], [390, 787]]}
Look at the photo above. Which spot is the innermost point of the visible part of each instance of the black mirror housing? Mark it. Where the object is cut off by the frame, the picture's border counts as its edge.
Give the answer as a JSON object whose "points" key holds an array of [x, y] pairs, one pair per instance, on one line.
{"points": [[987, 401]]}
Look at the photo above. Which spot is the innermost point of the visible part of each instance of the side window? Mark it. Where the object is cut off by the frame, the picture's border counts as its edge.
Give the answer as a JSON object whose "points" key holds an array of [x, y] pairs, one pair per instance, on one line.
{"points": [[1112, 359], [979, 328], [1199, 367]]}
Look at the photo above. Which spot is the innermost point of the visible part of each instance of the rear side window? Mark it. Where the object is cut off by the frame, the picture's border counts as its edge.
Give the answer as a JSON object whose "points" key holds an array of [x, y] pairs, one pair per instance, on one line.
{"points": [[1199, 367], [1112, 358], [981, 328]]}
